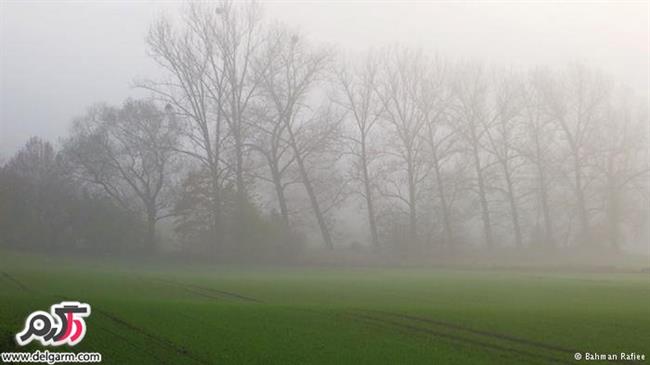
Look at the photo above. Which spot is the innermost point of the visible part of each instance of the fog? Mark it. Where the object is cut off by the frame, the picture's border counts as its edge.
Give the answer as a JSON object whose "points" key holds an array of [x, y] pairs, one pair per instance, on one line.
{"points": [[94, 50], [326, 131]]}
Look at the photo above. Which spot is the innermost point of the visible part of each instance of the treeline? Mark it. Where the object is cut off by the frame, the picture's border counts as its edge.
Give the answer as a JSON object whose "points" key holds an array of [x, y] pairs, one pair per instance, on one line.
{"points": [[256, 143], [43, 209]]}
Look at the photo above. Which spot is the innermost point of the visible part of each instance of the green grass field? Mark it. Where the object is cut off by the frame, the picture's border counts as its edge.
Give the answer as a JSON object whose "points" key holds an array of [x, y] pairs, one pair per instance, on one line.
{"points": [[227, 315]]}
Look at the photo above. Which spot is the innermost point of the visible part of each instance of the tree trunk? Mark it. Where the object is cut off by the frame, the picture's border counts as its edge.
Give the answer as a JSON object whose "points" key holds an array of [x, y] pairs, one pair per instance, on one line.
{"points": [[514, 212], [413, 230], [446, 219], [543, 195], [279, 191], [613, 218], [151, 229], [239, 168], [548, 224], [216, 211], [485, 213], [241, 197], [582, 209], [369, 203], [310, 191], [613, 210]]}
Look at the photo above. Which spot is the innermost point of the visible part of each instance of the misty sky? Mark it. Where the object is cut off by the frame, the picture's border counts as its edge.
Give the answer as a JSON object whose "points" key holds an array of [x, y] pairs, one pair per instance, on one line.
{"points": [[58, 58]]}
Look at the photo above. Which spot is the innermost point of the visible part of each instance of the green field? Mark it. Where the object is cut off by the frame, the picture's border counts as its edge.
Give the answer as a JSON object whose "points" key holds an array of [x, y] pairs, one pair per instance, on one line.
{"points": [[227, 315]]}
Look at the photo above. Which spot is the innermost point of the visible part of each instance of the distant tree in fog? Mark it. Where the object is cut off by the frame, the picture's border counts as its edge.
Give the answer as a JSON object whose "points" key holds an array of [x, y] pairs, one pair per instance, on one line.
{"points": [[403, 72], [43, 208], [621, 166], [434, 102], [292, 72], [31, 192], [576, 101], [472, 111], [212, 83], [194, 89], [358, 97], [502, 132], [129, 153], [537, 145]]}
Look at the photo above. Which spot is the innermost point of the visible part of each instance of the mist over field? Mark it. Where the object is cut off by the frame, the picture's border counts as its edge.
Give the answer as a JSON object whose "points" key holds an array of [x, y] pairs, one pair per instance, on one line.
{"points": [[327, 133]]}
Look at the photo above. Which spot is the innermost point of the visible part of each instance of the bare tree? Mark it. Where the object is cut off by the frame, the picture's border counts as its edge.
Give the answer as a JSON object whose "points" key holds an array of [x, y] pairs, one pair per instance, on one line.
{"points": [[238, 37], [270, 140], [576, 102], [193, 88], [471, 112], [403, 72], [502, 133], [441, 139], [212, 86], [359, 99], [621, 163], [287, 82], [536, 145], [128, 152]]}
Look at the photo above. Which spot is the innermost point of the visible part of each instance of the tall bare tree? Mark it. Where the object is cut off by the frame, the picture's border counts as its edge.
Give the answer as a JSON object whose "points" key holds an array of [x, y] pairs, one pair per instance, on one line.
{"points": [[577, 102], [358, 85], [471, 112], [288, 81], [238, 36], [502, 133], [537, 145], [434, 102], [270, 140], [193, 87], [621, 164], [399, 90]]}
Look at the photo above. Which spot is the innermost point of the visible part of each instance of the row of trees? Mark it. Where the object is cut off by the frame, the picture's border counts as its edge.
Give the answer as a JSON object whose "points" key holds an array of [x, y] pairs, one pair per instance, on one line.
{"points": [[535, 157], [264, 135]]}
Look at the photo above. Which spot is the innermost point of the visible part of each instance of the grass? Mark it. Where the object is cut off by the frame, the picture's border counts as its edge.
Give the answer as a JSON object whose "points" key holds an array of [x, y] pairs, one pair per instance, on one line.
{"points": [[228, 315]]}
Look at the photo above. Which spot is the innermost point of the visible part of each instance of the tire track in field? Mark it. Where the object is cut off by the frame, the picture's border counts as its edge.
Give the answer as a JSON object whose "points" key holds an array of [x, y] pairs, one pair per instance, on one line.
{"points": [[13, 280], [501, 336], [458, 338], [160, 341], [209, 292], [495, 335], [485, 334]]}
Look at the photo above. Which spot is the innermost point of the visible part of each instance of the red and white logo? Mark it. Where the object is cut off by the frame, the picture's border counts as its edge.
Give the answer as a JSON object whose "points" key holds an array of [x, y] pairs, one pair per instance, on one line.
{"points": [[63, 325]]}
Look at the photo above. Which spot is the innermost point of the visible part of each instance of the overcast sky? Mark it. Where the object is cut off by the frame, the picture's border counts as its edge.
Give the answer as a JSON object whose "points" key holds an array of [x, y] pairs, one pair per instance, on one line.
{"points": [[56, 58]]}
